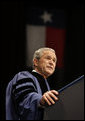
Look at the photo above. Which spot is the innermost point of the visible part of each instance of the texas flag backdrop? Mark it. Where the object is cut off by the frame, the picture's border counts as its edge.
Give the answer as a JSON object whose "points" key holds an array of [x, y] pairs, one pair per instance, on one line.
{"points": [[45, 28]]}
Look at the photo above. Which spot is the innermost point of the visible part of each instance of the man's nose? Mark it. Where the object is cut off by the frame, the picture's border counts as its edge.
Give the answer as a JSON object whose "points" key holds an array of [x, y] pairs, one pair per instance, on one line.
{"points": [[51, 62]]}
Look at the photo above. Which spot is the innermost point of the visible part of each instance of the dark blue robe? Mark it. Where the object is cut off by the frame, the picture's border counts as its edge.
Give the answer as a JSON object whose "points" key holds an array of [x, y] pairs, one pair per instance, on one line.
{"points": [[23, 95]]}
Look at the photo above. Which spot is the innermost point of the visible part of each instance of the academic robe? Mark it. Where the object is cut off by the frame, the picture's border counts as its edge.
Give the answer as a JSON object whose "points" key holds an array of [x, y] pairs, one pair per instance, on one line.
{"points": [[23, 95]]}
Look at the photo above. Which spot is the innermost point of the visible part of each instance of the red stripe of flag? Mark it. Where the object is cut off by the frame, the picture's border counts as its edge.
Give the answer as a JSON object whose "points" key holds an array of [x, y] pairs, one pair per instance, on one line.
{"points": [[55, 38]]}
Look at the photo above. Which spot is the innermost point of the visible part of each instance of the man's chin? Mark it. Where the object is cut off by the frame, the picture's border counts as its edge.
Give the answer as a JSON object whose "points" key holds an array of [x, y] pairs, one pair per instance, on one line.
{"points": [[49, 73]]}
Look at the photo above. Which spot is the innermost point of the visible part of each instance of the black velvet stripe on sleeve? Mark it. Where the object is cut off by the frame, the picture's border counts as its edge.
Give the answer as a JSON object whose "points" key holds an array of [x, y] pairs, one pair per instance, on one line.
{"points": [[27, 87], [22, 88], [23, 81], [22, 95]]}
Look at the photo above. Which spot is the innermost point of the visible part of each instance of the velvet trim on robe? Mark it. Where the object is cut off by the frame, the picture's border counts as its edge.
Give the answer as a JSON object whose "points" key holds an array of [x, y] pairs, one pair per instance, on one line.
{"points": [[23, 94]]}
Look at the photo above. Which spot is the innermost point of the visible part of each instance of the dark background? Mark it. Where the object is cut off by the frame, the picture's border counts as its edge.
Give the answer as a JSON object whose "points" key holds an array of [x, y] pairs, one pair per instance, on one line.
{"points": [[13, 51]]}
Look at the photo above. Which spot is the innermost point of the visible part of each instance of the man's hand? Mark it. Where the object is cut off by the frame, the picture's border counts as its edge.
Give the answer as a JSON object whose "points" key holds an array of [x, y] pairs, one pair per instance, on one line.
{"points": [[49, 97]]}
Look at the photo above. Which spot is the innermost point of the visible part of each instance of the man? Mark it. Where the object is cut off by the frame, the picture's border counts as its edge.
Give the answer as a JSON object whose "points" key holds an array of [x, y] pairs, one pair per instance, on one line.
{"points": [[28, 93]]}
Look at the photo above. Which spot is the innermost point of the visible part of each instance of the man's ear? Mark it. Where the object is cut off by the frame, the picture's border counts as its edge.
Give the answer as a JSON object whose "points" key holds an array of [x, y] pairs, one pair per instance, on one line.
{"points": [[35, 62]]}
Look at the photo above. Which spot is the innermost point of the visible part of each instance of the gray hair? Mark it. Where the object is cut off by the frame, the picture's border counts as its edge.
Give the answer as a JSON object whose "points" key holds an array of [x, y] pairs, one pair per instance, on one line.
{"points": [[38, 53]]}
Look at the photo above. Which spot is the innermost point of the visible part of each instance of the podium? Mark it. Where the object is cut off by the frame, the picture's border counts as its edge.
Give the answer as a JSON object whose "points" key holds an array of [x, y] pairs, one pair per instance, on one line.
{"points": [[70, 105]]}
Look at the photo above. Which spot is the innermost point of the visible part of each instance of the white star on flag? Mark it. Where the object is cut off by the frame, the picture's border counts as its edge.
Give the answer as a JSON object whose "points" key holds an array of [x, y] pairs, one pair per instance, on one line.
{"points": [[47, 17]]}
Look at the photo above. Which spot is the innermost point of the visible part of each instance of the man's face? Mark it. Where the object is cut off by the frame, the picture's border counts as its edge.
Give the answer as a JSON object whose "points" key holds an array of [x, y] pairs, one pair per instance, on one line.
{"points": [[46, 64]]}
